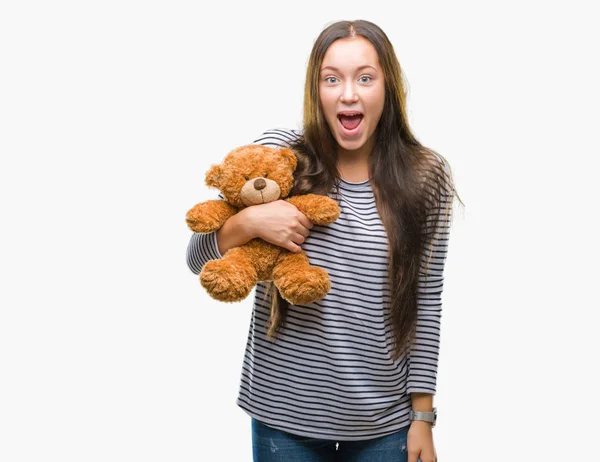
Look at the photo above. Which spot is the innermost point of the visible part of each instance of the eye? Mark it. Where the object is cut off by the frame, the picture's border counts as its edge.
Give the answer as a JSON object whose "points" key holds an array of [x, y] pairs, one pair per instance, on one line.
{"points": [[327, 79], [367, 77], [266, 175], [247, 177]]}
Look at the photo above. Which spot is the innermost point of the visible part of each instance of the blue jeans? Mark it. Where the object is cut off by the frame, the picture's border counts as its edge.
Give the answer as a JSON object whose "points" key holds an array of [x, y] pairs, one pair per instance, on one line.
{"points": [[271, 445]]}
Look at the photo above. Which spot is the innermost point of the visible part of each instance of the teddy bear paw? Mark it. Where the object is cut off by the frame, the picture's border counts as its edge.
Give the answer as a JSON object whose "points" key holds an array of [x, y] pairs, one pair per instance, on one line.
{"points": [[306, 286], [227, 282], [329, 211]]}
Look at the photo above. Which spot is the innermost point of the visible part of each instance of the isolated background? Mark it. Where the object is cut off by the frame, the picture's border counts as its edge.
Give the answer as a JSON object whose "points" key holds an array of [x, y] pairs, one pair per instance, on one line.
{"points": [[111, 113]]}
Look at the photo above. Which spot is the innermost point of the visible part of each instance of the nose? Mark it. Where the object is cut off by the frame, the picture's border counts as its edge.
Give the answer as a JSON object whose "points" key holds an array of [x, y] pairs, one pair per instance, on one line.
{"points": [[259, 184], [349, 92]]}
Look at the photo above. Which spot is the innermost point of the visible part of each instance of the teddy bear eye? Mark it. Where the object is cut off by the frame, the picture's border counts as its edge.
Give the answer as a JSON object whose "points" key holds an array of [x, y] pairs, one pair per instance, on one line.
{"points": [[266, 175], [247, 177]]}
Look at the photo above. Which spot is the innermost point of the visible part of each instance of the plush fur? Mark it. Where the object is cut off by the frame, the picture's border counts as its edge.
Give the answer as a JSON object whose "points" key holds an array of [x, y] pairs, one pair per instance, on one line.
{"points": [[252, 175]]}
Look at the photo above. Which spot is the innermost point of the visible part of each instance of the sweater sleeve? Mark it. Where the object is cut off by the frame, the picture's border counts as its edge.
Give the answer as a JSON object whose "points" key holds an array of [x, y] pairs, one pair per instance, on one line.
{"points": [[422, 371], [203, 247]]}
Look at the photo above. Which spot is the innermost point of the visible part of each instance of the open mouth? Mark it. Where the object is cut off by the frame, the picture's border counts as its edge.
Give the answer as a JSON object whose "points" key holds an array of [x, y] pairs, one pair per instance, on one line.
{"points": [[350, 121]]}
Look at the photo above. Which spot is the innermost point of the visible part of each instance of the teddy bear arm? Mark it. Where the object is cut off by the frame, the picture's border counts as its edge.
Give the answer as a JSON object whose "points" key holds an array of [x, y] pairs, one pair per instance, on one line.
{"points": [[321, 210], [209, 216]]}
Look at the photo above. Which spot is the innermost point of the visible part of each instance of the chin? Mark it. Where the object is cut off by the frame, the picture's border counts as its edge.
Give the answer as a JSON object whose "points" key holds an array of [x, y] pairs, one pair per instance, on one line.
{"points": [[353, 145]]}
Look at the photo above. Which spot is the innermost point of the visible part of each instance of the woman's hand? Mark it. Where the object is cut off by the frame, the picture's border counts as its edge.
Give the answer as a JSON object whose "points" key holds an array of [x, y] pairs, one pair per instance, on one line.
{"points": [[420, 442], [279, 223]]}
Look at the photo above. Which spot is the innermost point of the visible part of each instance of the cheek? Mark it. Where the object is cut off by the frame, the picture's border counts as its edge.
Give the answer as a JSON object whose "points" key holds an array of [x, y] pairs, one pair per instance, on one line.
{"points": [[327, 102], [375, 97], [375, 102]]}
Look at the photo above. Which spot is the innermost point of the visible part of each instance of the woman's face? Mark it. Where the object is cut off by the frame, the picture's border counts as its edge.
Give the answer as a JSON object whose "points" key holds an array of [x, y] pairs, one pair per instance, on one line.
{"points": [[351, 82]]}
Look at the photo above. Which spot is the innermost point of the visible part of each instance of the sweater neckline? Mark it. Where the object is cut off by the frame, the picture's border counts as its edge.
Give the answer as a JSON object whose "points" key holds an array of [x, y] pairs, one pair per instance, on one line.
{"points": [[355, 185]]}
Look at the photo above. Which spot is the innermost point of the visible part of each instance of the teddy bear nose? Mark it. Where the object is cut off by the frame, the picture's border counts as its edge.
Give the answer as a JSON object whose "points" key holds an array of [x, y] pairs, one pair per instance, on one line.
{"points": [[259, 184]]}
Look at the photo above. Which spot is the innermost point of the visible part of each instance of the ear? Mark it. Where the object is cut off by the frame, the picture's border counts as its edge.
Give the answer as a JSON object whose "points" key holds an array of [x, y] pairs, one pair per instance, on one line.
{"points": [[213, 176], [289, 156]]}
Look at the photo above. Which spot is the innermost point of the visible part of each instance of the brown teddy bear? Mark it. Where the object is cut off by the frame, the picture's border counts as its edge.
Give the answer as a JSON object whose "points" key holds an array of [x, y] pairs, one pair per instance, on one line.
{"points": [[251, 175]]}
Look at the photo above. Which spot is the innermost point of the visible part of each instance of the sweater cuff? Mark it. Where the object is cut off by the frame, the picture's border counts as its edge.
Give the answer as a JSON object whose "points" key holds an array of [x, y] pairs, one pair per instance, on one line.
{"points": [[215, 247]]}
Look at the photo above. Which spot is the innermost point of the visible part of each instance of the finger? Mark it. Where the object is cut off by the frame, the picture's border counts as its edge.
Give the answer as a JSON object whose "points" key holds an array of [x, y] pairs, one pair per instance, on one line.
{"points": [[298, 239], [302, 230], [425, 457], [413, 457], [293, 247], [305, 221]]}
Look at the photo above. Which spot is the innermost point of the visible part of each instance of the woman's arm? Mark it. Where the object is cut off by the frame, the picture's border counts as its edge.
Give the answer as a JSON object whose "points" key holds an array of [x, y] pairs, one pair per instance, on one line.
{"points": [[422, 402], [200, 249], [422, 371], [236, 231]]}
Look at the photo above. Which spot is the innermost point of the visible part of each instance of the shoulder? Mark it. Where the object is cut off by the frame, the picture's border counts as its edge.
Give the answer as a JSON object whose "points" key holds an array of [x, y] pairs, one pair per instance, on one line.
{"points": [[278, 137], [437, 169]]}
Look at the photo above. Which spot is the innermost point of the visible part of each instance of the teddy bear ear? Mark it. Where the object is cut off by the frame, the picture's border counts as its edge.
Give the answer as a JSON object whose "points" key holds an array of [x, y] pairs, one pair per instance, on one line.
{"points": [[213, 176], [289, 156]]}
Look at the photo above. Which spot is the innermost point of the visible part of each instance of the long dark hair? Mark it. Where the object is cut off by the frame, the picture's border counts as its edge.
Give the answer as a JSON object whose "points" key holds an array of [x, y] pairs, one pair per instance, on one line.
{"points": [[413, 185]]}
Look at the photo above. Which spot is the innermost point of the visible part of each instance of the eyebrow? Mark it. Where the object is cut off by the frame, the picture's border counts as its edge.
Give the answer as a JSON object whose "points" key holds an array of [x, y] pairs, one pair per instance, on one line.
{"points": [[336, 69]]}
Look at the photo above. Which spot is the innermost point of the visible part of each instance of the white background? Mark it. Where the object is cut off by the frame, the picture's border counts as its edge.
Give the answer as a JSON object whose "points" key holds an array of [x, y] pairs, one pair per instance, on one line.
{"points": [[110, 114]]}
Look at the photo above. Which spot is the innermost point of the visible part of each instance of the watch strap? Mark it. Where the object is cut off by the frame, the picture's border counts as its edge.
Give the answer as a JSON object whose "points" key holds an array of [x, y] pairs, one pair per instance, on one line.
{"points": [[430, 417]]}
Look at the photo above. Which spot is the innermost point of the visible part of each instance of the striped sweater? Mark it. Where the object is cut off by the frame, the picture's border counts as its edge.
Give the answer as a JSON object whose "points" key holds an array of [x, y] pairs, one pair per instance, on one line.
{"points": [[329, 374]]}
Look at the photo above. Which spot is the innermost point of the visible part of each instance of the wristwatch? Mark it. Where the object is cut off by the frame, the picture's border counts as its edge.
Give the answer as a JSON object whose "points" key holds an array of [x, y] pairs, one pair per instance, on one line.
{"points": [[426, 416]]}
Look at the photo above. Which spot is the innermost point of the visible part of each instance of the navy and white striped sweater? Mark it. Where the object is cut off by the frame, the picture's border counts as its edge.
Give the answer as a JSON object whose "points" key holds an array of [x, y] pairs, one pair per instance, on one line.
{"points": [[329, 374]]}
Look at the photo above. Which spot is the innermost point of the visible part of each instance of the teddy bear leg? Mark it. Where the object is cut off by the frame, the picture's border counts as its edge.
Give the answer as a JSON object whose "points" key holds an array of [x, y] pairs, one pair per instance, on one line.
{"points": [[231, 278], [299, 282]]}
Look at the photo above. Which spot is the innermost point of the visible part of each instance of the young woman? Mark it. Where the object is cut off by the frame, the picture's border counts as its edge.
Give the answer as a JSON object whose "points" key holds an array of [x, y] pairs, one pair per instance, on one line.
{"points": [[338, 379]]}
